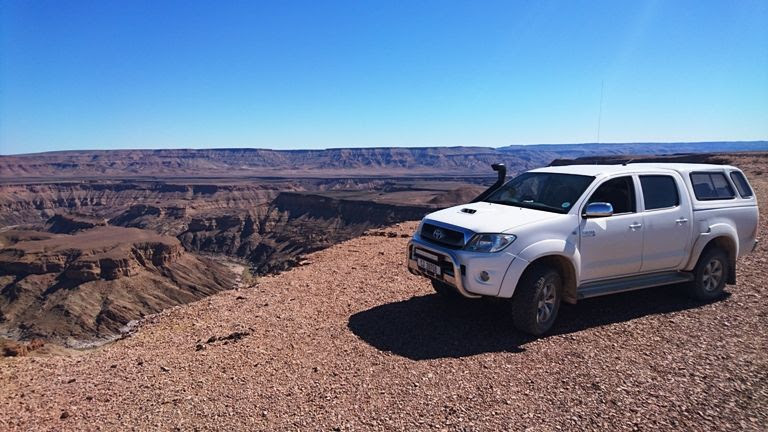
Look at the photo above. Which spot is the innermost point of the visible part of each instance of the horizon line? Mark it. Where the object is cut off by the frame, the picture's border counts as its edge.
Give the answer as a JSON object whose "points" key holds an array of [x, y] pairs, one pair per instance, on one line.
{"points": [[389, 147]]}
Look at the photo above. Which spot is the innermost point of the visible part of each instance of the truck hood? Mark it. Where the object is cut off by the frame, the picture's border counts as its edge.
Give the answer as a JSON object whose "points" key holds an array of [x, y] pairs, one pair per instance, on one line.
{"points": [[489, 217]]}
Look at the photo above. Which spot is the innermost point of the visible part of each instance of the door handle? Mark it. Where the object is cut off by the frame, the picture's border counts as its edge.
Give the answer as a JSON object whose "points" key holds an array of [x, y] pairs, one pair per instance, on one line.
{"points": [[681, 221], [635, 226]]}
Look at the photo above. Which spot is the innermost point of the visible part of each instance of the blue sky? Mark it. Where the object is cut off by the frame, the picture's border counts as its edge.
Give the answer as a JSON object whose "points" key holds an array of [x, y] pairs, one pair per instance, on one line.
{"points": [[318, 74]]}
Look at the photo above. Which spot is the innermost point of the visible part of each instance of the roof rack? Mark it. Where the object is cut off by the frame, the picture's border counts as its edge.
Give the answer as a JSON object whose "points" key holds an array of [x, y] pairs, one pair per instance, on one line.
{"points": [[696, 158]]}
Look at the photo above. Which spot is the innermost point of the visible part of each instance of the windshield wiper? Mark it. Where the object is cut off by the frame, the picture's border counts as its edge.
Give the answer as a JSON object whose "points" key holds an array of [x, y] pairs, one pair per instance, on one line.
{"points": [[528, 204], [545, 207], [509, 203]]}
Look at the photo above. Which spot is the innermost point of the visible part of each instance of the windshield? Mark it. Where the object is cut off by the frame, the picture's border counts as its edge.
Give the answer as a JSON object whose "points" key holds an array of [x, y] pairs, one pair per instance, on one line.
{"points": [[542, 191]]}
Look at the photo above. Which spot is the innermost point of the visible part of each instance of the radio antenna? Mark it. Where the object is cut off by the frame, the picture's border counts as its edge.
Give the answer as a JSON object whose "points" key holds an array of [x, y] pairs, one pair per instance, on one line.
{"points": [[600, 112]]}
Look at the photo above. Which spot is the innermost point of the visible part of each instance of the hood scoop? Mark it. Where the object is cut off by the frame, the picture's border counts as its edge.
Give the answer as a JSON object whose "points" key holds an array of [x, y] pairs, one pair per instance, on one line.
{"points": [[468, 210]]}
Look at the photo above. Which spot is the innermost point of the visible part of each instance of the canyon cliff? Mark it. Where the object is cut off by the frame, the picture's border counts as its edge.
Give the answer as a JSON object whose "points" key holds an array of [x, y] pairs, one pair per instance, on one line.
{"points": [[86, 286], [358, 162]]}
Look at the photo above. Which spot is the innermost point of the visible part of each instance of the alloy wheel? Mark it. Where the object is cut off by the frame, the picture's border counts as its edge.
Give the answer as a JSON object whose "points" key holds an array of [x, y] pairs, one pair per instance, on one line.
{"points": [[546, 304], [712, 275]]}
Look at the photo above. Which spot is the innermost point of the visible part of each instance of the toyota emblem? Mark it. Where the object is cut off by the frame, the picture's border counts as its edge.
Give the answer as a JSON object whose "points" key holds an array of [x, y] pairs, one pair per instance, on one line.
{"points": [[438, 234]]}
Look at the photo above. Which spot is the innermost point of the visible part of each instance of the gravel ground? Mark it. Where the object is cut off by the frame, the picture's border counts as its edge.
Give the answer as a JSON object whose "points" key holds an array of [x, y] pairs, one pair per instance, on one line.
{"points": [[351, 341]]}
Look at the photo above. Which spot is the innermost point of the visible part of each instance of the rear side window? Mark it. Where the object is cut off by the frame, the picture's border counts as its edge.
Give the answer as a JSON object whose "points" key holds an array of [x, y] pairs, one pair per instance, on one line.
{"points": [[659, 191], [741, 184], [711, 186]]}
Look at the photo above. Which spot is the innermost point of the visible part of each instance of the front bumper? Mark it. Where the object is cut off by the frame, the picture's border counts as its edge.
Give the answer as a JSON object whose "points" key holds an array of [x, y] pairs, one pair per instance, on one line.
{"points": [[455, 280], [459, 268]]}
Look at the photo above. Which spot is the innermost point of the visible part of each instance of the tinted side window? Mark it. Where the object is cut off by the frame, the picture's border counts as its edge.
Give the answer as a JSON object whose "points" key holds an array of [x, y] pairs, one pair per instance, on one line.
{"points": [[741, 184], [711, 186], [619, 192], [659, 191]]}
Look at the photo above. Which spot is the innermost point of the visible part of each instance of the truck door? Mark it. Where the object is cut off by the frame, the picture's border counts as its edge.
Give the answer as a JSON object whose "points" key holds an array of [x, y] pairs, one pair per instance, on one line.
{"points": [[612, 246], [667, 216]]}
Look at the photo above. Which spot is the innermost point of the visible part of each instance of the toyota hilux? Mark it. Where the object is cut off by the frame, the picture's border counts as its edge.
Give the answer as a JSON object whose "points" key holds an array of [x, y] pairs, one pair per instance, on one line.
{"points": [[566, 233]]}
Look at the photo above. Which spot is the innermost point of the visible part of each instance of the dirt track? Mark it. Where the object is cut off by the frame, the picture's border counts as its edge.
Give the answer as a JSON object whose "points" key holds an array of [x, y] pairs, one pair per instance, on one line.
{"points": [[351, 341]]}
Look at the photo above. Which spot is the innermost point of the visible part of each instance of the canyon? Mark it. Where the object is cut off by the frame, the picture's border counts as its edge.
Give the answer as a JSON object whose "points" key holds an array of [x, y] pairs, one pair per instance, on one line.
{"points": [[93, 240], [81, 260], [83, 287]]}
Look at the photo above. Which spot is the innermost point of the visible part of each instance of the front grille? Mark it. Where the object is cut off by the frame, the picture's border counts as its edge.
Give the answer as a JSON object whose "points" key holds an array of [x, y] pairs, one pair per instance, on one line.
{"points": [[442, 236]]}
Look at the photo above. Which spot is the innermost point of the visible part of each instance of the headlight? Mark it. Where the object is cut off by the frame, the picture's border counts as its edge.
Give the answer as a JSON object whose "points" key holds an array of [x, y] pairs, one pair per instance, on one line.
{"points": [[490, 242]]}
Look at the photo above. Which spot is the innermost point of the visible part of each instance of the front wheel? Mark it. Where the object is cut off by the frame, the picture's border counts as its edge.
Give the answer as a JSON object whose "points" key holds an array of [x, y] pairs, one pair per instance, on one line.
{"points": [[710, 275], [536, 301]]}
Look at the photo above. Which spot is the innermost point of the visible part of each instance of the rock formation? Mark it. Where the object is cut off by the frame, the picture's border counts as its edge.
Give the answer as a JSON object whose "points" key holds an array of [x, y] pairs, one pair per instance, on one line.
{"points": [[87, 285]]}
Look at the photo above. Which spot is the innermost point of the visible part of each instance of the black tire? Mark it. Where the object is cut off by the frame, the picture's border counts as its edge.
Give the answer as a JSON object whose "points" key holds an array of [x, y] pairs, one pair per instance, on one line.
{"points": [[536, 301], [445, 291], [710, 275]]}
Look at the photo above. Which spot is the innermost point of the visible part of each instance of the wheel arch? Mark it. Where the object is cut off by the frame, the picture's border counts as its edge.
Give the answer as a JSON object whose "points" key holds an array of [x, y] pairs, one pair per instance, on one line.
{"points": [[561, 263], [567, 271], [722, 240], [730, 246], [558, 253]]}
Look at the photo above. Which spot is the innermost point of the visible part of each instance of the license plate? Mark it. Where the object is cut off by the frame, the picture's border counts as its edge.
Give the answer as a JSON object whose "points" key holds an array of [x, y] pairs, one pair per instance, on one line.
{"points": [[428, 266]]}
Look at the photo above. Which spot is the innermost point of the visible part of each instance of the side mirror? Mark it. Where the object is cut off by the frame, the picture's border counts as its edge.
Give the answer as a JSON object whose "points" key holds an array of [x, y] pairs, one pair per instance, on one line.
{"points": [[598, 210]]}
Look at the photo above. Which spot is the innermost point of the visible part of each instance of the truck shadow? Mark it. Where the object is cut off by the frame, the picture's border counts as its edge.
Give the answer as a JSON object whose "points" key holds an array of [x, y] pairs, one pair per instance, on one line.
{"points": [[429, 327]]}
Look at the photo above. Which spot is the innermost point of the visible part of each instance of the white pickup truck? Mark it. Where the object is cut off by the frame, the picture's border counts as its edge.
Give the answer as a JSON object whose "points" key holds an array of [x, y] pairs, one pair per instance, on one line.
{"points": [[571, 232]]}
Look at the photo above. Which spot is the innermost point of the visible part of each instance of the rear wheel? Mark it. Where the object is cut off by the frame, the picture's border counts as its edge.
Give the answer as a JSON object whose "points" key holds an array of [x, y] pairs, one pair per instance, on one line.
{"points": [[710, 275], [536, 301]]}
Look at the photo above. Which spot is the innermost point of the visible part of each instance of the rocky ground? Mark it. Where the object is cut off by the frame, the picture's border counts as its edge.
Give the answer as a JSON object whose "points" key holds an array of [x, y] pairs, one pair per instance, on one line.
{"points": [[351, 341]]}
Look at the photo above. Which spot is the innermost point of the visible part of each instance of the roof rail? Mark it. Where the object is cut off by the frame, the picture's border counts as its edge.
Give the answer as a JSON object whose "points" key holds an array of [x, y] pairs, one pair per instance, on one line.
{"points": [[628, 159]]}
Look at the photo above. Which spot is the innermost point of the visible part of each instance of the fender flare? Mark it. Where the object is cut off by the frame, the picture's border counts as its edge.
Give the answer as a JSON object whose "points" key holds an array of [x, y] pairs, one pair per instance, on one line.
{"points": [[715, 231], [561, 249]]}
